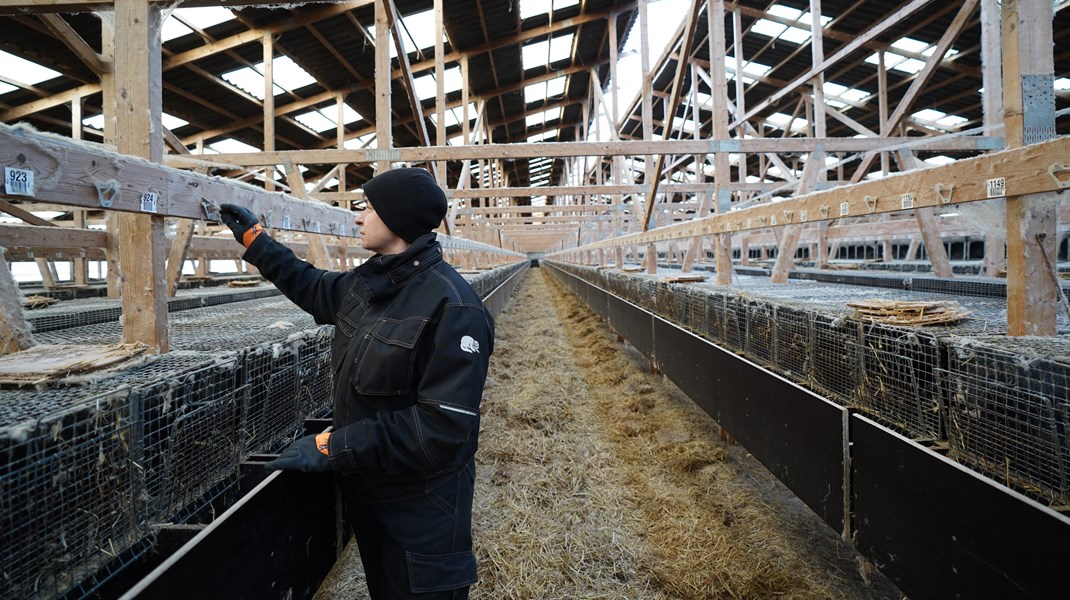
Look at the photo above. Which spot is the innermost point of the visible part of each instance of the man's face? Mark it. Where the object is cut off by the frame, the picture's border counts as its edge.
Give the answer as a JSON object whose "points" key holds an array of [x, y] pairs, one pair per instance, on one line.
{"points": [[375, 236]]}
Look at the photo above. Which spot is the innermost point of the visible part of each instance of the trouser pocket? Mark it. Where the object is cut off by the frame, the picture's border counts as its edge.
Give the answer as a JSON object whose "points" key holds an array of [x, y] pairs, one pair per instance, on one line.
{"points": [[441, 572]]}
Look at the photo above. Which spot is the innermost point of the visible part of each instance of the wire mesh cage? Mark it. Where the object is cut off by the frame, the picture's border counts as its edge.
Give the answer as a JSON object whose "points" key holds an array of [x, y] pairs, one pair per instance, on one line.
{"points": [[1009, 411], [272, 411], [314, 374], [190, 423], [735, 323], [66, 487], [834, 357], [761, 332], [793, 343], [898, 383]]}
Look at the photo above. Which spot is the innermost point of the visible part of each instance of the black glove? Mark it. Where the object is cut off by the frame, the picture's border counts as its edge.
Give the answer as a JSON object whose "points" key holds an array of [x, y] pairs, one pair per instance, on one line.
{"points": [[302, 455], [241, 222]]}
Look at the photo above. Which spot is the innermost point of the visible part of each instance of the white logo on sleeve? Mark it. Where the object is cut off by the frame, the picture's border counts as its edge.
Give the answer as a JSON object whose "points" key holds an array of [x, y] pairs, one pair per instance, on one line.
{"points": [[468, 344]]}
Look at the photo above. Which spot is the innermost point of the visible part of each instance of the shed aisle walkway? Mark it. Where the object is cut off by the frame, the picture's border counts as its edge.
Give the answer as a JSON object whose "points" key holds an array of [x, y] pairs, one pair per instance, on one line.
{"points": [[599, 480]]}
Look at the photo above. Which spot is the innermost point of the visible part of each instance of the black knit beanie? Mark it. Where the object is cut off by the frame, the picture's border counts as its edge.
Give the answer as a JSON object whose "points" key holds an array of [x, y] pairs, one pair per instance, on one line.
{"points": [[408, 201]]}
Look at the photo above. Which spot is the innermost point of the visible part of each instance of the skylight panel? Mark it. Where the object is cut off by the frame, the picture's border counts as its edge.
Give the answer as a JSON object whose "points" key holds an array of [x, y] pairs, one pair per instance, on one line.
{"points": [[360, 142], [203, 18], [250, 82], [910, 65], [785, 11], [534, 8], [545, 89], [171, 122], [1062, 84], [173, 28], [96, 122], [425, 86], [547, 51], [316, 121], [25, 71], [231, 145], [5, 88], [939, 160], [543, 117], [420, 26], [912, 45], [287, 74], [782, 121]]}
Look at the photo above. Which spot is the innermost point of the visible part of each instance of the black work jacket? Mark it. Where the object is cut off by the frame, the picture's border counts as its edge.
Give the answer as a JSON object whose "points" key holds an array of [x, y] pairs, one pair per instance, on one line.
{"points": [[412, 341]]}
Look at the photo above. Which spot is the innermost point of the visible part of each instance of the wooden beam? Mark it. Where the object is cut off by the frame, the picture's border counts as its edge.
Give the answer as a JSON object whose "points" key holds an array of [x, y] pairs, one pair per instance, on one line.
{"points": [[1025, 171], [72, 6], [70, 38], [624, 148], [60, 166], [394, 21]]}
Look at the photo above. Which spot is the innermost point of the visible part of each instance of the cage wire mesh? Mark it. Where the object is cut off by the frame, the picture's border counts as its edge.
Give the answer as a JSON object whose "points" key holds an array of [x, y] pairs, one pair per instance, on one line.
{"points": [[1002, 405], [898, 382], [1009, 411], [67, 488], [314, 374]]}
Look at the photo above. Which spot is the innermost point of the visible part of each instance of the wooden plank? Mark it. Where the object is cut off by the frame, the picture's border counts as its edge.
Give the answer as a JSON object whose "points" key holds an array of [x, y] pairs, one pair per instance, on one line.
{"points": [[75, 43], [48, 363], [503, 151], [82, 174], [406, 71], [1025, 171]]}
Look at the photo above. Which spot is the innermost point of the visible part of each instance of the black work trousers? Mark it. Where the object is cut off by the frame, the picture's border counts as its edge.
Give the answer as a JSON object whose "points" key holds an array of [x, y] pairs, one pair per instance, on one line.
{"points": [[419, 547]]}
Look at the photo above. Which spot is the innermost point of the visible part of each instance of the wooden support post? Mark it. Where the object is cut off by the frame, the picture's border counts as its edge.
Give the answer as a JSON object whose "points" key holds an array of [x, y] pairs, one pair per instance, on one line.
{"points": [[721, 166], [139, 132], [440, 94], [1033, 292], [269, 106], [79, 266], [383, 114]]}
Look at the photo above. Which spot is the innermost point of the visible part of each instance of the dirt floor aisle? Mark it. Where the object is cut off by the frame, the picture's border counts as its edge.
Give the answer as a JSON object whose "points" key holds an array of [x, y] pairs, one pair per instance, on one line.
{"points": [[599, 480]]}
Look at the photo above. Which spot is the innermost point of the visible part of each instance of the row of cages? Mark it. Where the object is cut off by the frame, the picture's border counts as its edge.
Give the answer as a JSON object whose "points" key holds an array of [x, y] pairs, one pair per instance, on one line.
{"points": [[91, 468], [94, 469], [1000, 405]]}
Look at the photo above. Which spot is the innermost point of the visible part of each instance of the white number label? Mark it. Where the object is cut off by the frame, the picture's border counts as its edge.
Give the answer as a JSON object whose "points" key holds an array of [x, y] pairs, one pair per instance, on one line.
{"points": [[286, 222], [845, 208], [908, 201], [804, 215], [772, 219], [19, 182], [997, 188], [148, 201]]}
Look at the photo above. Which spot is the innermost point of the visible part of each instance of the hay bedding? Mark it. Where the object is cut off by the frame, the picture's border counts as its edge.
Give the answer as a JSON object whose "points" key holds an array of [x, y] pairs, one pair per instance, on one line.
{"points": [[598, 480]]}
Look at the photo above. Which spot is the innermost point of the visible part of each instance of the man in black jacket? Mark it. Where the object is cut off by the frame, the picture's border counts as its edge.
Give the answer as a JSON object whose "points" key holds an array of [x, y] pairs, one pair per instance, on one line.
{"points": [[411, 346]]}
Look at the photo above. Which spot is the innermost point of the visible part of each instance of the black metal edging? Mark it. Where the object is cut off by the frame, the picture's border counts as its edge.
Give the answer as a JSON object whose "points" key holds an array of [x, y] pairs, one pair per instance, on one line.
{"points": [[496, 299], [277, 541], [937, 528], [942, 531]]}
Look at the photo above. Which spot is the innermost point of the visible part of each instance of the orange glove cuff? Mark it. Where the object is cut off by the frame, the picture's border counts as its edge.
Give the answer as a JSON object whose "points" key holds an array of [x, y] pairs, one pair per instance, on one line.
{"points": [[321, 443], [250, 235]]}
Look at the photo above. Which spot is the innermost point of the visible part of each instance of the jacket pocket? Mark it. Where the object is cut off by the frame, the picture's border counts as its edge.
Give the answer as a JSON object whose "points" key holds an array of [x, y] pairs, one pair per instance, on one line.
{"points": [[440, 572], [387, 362]]}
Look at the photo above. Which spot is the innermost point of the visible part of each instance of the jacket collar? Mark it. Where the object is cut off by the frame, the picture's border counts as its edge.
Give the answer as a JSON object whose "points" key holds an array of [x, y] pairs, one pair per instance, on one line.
{"points": [[382, 276]]}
